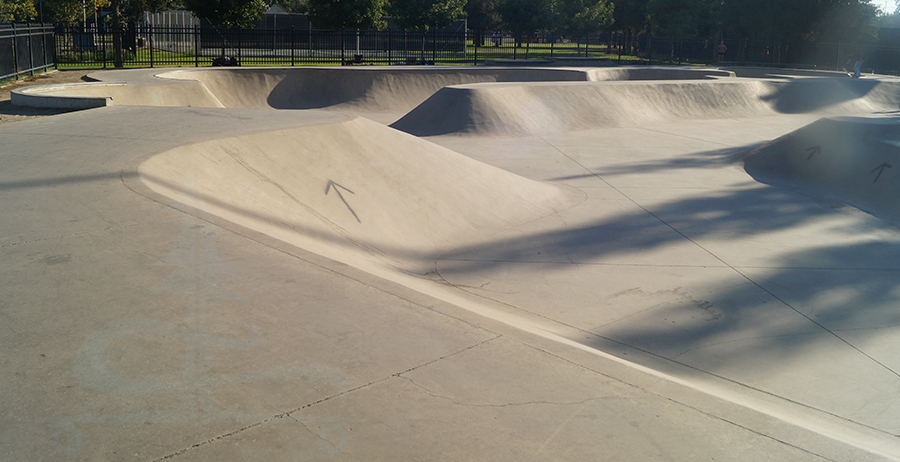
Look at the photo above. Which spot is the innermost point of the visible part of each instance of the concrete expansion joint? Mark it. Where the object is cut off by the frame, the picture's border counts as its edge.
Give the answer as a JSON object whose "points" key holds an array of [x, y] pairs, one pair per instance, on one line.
{"points": [[681, 135], [457, 402], [218, 438], [470, 347]]}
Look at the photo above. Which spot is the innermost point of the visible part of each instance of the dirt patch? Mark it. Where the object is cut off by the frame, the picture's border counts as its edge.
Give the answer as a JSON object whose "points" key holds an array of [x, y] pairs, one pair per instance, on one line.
{"points": [[10, 113]]}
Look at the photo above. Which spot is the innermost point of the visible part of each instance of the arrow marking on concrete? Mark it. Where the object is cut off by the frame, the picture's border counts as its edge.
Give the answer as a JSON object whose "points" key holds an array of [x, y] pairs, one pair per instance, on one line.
{"points": [[880, 170], [813, 151], [332, 185]]}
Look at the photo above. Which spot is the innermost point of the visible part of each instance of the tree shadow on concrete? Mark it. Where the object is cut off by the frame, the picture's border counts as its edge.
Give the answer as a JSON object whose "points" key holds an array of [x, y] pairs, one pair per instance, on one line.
{"points": [[798, 300], [803, 96], [714, 159]]}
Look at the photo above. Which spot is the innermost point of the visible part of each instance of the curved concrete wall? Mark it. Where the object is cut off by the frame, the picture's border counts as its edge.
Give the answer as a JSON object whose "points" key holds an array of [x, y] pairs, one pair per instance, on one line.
{"points": [[541, 108]]}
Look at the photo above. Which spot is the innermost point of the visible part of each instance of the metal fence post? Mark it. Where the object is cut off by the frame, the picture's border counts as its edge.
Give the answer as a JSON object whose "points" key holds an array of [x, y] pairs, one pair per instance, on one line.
{"points": [[620, 42], [150, 40], [475, 39], [44, 46], [293, 45], [30, 48], [196, 45], [15, 55]]}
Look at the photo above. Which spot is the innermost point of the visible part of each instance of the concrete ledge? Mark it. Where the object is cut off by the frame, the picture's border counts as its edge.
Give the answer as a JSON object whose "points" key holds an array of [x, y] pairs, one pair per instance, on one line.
{"points": [[60, 96]]}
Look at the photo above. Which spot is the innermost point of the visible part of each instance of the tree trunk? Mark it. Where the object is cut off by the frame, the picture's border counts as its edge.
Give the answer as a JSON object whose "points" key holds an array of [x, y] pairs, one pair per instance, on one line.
{"points": [[119, 61]]}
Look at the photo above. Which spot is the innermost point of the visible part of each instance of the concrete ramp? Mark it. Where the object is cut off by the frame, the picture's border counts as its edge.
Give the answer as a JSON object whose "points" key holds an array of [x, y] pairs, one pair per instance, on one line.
{"points": [[856, 160], [550, 108], [352, 190], [100, 94]]}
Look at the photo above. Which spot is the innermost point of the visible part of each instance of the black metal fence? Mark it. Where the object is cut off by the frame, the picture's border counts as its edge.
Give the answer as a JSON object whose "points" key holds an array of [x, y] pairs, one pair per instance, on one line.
{"points": [[152, 46], [147, 45], [25, 49]]}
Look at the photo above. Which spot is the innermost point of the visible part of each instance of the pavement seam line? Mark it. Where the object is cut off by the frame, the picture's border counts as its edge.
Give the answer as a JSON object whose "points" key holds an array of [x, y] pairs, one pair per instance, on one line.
{"points": [[288, 415], [456, 402]]}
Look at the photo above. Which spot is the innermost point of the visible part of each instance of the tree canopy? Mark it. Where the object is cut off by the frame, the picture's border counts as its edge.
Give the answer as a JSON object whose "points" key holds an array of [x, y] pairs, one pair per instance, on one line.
{"points": [[524, 16], [826, 20], [482, 15], [17, 10], [228, 13], [579, 17], [423, 14], [351, 14]]}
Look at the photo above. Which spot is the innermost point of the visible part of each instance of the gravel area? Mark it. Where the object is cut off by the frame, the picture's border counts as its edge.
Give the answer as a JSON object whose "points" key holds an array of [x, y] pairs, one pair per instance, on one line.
{"points": [[10, 113]]}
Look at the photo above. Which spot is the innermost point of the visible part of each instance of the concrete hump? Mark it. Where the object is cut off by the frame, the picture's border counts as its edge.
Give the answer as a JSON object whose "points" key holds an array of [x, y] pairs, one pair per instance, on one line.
{"points": [[856, 160], [352, 190]]}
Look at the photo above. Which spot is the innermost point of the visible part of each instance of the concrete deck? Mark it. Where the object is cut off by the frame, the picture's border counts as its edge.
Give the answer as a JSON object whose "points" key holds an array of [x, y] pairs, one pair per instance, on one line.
{"points": [[709, 274]]}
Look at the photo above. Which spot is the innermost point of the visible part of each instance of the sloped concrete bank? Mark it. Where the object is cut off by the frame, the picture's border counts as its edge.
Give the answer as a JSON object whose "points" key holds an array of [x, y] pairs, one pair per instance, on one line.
{"points": [[853, 159]]}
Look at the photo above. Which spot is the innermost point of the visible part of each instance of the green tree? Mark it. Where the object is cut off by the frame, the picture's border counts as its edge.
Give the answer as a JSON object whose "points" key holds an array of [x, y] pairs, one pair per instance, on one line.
{"points": [[424, 14], [525, 16], [482, 16], [17, 10], [582, 17], [73, 11], [349, 14], [228, 13], [294, 6], [852, 21], [683, 18], [827, 20], [631, 16]]}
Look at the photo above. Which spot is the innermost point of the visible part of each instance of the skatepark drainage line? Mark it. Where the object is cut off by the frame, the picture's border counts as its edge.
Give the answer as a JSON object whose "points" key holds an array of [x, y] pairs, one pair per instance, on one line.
{"points": [[751, 281]]}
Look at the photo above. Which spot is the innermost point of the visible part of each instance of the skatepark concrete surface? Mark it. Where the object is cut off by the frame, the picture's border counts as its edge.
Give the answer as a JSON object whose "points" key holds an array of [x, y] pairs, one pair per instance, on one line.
{"points": [[440, 263]]}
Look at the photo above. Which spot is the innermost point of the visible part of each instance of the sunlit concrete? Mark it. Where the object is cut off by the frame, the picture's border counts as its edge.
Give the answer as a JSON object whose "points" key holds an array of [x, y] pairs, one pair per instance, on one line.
{"points": [[451, 263]]}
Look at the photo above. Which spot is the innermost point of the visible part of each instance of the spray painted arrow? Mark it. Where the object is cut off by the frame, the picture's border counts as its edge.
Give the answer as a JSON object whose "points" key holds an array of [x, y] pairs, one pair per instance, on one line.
{"points": [[813, 151], [332, 185], [880, 170]]}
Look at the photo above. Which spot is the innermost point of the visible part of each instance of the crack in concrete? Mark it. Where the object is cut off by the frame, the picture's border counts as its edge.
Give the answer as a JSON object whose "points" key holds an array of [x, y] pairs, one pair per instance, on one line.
{"points": [[513, 404], [319, 437], [288, 415]]}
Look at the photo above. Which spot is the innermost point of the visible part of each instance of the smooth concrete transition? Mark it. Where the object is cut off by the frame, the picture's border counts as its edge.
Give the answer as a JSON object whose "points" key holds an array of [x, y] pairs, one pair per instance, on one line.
{"points": [[476, 263]]}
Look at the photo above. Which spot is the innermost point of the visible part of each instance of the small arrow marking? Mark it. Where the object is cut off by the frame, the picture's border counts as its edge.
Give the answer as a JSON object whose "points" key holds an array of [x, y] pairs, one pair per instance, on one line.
{"points": [[880, 170], [332, 185], [813, 151]]}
